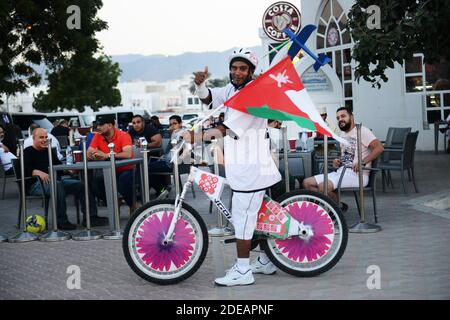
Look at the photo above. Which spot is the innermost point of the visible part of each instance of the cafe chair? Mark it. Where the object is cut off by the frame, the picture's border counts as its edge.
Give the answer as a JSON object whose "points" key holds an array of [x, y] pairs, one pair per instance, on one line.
{"points": [[4, 176], [370, 187], [42, 196]]}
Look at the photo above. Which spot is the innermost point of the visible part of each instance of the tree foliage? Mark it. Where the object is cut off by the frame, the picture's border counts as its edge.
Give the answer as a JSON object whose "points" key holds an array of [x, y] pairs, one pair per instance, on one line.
{"points": [[81, 82], [38, 32], [406, 27]]}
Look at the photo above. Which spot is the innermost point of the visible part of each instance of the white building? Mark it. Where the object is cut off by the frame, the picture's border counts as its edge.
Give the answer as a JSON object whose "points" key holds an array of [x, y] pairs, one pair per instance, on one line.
{"points": [[150, 95], [21, 102], [411, 98], [159, 96]]}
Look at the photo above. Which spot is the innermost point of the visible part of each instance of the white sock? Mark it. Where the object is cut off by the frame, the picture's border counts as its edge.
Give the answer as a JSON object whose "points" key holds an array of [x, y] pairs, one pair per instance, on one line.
{"points": [[243, 264], [263, 258]]}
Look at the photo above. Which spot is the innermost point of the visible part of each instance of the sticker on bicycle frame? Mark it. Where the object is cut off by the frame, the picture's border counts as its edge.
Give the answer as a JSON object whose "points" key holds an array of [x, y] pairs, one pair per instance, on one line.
{"points": [[210, 184], [272, 219]]}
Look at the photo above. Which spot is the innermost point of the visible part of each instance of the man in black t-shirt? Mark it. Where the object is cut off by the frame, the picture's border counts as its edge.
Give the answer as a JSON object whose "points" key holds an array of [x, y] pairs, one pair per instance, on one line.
{"points": [[36, 164], [62, 129], [148, 131], [155, 122]]}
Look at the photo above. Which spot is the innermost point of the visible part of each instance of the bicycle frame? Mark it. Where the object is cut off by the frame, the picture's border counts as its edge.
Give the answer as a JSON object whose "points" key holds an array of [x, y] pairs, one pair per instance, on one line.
{"points": [[295, 228]]}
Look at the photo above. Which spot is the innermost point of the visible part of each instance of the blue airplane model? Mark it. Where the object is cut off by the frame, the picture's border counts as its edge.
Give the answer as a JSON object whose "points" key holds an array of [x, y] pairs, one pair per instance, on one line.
{"points": [[299, 43]]}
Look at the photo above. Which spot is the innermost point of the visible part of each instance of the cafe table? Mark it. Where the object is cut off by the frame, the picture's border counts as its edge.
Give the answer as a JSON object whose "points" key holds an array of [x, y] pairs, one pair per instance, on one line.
{"points": [[105, 166]]}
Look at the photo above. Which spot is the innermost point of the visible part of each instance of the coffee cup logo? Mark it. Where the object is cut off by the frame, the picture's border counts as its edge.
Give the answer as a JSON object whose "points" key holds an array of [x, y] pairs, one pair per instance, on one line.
{"points": [[279, 16]]}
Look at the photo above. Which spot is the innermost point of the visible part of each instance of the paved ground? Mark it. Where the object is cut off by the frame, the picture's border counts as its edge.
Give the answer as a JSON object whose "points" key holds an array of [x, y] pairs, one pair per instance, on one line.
{"points": [[412, 254]]}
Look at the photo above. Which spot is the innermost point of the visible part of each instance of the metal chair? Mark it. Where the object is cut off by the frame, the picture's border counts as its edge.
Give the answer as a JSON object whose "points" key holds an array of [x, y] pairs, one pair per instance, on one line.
{"points": [[165, 140], [43, 197], [371, 186], [183, 168], [137, 153], [406, 161], [443, 127], [4, 176], [296, 168], [394, 140], [319, 161]]}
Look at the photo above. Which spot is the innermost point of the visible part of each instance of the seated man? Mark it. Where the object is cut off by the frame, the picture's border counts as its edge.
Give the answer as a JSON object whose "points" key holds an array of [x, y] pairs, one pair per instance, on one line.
{"points": [[154, 120], [98, 150], [37, 165], [91, 134], [158, 182], [148, 131], [5, 155], [55, 143], [62, 129], [11, 134], [331, 125], [371, 149]]}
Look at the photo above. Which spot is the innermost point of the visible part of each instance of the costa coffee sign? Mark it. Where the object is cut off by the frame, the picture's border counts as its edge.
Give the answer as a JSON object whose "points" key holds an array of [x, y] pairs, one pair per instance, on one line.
{"points": [[279, 16]]}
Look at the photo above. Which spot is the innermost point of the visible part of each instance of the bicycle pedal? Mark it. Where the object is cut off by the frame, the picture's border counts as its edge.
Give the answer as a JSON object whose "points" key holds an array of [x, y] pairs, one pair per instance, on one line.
{"points": [[228, 240]]}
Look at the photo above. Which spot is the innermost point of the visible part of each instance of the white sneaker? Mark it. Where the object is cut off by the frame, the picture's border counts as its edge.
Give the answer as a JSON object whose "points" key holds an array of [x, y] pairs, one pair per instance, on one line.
{"points": [[259, 267], [236, 278]]}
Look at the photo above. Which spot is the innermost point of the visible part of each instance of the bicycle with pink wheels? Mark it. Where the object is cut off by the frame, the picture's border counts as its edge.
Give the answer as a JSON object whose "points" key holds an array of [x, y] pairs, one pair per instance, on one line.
{"points": [[166, 241]]}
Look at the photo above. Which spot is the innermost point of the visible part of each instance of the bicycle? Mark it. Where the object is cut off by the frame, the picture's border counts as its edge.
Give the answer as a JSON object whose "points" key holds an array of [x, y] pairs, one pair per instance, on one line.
{"points": [[303, 233]]}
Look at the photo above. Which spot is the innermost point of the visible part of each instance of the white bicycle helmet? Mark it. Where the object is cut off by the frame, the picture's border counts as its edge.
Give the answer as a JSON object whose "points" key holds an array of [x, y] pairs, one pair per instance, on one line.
{"points": [[246, 54]]}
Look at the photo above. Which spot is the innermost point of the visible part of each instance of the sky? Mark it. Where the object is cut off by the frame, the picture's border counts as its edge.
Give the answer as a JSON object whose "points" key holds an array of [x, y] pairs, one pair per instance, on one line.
{"points": [[172, 27]]}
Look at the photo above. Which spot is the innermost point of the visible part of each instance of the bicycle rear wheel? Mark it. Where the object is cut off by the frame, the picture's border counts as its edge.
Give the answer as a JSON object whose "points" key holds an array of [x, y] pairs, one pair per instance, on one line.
{"points": [[323, 249], [165, 263]]}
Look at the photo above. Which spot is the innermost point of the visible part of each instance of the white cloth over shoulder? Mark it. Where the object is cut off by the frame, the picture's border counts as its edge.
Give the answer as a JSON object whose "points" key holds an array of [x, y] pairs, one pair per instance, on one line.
{"points": [[6, 158], [248, 163]]}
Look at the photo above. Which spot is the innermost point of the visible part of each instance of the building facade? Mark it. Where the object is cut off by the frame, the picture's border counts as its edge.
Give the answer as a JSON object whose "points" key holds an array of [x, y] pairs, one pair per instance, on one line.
{"points": [[149, 95], [416, 94]]}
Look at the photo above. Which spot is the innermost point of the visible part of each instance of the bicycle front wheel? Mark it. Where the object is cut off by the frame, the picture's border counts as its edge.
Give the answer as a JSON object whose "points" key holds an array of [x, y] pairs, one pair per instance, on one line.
{"points": [[161, 263], [324, 246]]}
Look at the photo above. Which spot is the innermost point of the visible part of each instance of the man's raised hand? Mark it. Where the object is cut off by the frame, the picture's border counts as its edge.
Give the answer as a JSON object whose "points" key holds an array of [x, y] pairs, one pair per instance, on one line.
{"points": [[201, 76]]}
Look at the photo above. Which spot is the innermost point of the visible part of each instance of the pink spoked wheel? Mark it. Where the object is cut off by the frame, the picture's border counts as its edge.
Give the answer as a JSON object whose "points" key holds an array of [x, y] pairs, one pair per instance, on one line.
{"points": [[159, 262], [323, 244]]}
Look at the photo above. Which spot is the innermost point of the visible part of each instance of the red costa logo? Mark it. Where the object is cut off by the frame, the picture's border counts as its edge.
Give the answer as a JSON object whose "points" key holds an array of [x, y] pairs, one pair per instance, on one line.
{"points": [[279, 16]]}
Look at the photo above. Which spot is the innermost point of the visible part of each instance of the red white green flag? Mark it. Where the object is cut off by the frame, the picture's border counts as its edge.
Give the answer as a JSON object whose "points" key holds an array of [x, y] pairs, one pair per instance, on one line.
{"points": [[279, 94]]}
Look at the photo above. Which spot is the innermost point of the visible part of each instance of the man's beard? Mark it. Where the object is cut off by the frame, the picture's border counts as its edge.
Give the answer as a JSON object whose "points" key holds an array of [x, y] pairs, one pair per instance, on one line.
{"points": [[243, 84], [346, 127]]}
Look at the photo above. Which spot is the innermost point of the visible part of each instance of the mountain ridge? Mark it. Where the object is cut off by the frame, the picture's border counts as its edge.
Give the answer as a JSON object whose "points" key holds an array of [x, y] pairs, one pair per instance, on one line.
{"points": [[160, 68]]}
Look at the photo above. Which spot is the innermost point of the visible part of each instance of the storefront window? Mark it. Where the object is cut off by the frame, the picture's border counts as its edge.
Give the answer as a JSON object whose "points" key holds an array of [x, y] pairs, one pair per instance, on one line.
{"points": [[437, 76], [414, 84], [347, 55], [334, 40], [433, 116], [348, 90], [431, 80], [433, 100], [414, 65], [320, 42], [414, 74]]}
